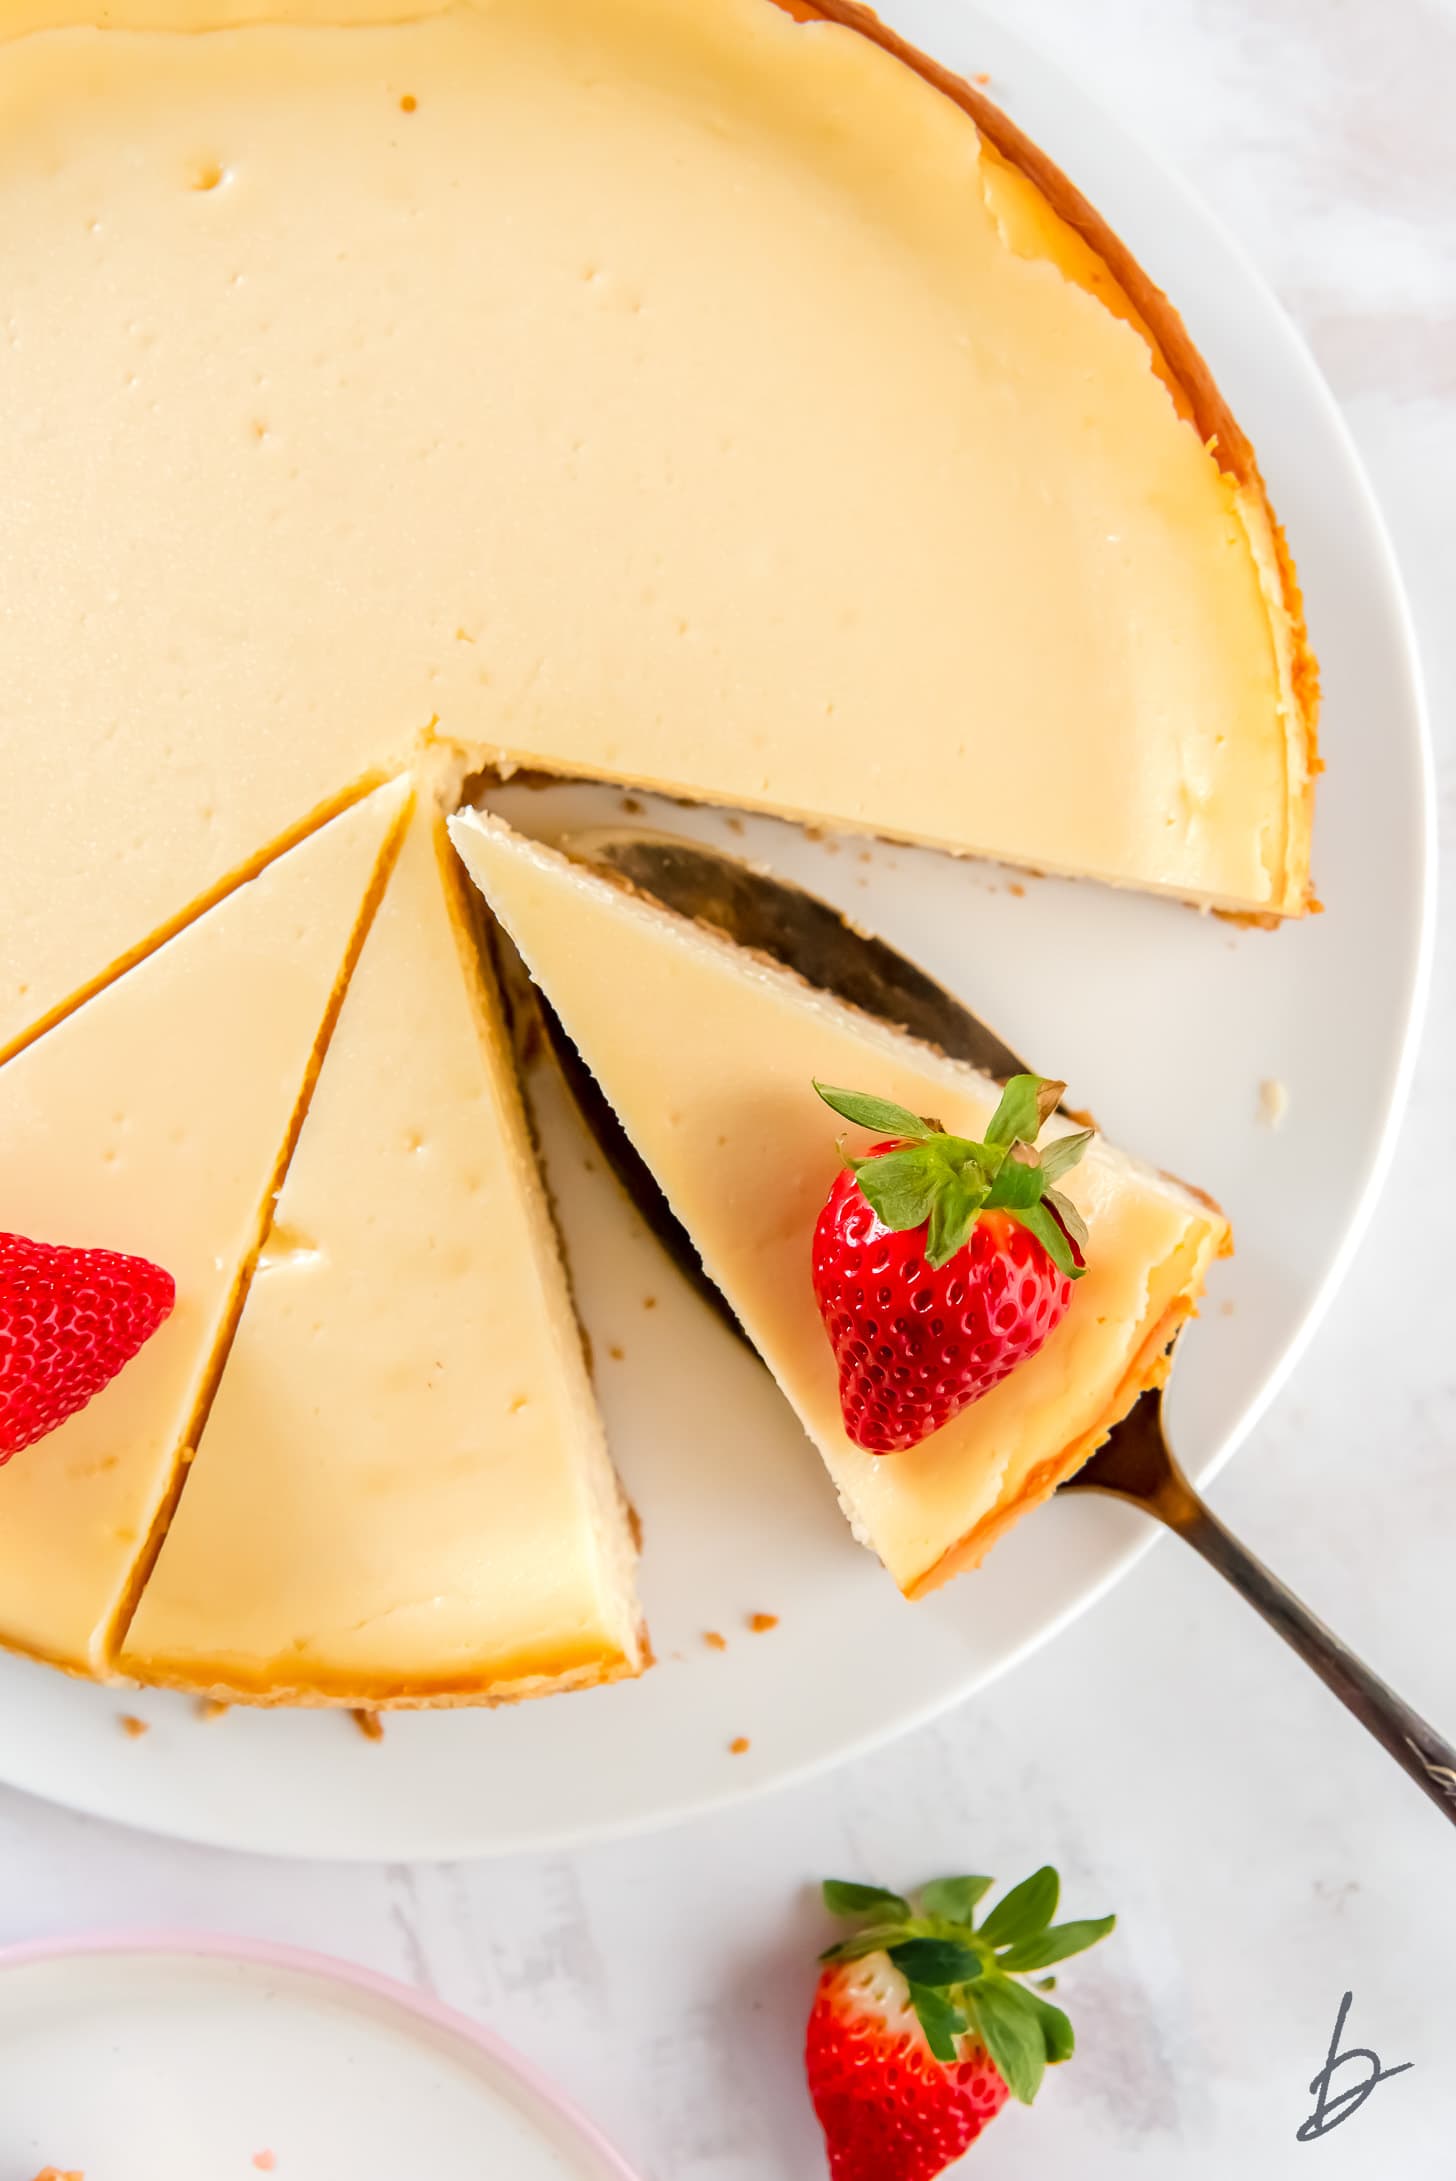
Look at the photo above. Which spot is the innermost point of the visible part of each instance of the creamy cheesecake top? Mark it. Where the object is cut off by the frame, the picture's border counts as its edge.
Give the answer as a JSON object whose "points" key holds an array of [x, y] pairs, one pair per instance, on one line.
{"points": [[403, 1490], [676, 393], [156, 1119]]}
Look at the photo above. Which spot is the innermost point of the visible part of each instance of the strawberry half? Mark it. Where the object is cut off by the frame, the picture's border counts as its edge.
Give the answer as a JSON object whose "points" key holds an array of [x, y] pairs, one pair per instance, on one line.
{"points": [[69, 1320], [941, 1263], [920, 2028]]}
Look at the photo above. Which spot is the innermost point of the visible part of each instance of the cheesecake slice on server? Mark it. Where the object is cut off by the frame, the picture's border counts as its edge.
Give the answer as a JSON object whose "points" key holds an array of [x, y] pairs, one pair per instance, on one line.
{"points": [[709, 1056]]}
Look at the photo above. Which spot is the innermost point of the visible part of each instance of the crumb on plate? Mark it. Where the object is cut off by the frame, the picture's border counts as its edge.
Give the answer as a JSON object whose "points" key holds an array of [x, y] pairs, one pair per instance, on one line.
{"points": [[210, 1708], [369, 1723], [761, 1623], [714, 1641], [131, 1725], [738, 1746], [1273, 1101]]}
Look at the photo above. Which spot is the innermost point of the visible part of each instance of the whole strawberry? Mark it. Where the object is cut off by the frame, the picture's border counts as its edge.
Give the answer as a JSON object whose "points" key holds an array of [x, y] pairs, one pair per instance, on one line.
{"points": [[69, 1320], [941, 1263], [920, 2028]]}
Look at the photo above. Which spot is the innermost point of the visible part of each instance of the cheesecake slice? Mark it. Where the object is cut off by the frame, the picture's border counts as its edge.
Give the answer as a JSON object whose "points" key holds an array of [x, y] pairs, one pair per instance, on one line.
{"points": [[155, 1120], [403, 1493], [707, 1054], [862, 451]]}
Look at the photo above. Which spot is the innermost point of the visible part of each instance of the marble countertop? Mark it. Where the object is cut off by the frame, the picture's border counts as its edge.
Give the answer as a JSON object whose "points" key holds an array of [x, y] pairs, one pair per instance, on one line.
{"points": [[1166, 1754]]}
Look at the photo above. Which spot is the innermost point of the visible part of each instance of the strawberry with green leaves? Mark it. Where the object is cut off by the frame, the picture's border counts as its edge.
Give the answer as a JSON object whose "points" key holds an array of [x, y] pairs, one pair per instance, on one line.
{"points": [[922, 2027], [941, 1263]]}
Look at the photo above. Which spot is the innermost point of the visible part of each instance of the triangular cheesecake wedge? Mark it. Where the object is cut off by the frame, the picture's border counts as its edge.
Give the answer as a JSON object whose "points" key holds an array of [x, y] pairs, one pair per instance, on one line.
{"points": [[155, 1120], [708, 1054], [403, 1493]]}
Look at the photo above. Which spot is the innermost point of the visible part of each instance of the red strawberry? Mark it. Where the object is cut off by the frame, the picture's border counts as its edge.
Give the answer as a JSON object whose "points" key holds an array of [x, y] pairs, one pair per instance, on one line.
{"points": [[69, 1320], [940, 1263], [920, 2028], [889, 2109]]}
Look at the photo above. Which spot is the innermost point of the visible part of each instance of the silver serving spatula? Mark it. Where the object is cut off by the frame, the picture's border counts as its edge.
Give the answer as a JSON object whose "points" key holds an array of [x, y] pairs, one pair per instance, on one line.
{"points": [[1136, 1463]]}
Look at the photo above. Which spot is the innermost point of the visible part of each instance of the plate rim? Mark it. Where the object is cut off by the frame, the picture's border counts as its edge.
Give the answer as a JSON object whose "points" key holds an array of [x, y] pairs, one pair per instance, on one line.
{"points": [[1383, 562], [179, 1943]]}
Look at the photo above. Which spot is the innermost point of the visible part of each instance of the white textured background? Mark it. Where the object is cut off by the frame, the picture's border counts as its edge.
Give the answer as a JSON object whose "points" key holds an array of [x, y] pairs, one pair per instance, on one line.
{"points": [[1165, 1753]]}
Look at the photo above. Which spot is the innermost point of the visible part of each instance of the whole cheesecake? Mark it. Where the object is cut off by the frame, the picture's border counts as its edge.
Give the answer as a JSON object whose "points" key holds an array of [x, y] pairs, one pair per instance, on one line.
{"points": [[705, 395]]}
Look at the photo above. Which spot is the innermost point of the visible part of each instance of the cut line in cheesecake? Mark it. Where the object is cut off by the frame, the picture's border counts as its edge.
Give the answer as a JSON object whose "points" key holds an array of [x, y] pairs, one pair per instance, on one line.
{"points": [[334, 807], [708, 1055], [402, 1494], [859, 448], [154, 1120], [396, 802]]}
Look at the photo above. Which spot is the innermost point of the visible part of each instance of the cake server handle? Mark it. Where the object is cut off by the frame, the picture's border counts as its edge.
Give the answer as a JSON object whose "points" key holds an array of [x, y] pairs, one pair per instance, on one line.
{"points": [[1136, 1462], [1411, 1740]]}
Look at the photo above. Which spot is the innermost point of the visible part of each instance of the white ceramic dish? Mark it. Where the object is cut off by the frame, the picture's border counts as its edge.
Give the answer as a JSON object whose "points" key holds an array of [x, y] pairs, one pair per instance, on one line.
{"points": [[1165, 1023], [163, 2057]]}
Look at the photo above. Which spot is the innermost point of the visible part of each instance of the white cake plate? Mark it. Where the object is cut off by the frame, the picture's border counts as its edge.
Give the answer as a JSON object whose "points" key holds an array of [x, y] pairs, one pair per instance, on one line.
{"points": [[1164, 1023]]}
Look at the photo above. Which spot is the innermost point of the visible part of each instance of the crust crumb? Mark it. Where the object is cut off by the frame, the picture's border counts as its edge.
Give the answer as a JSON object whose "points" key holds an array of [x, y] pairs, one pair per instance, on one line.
{"points": [[131, 1725], [210, 1708], [739, 1745], [761, 1623], [265, 2161], [1273, 1101], [369, 1723], [714, 1641]]}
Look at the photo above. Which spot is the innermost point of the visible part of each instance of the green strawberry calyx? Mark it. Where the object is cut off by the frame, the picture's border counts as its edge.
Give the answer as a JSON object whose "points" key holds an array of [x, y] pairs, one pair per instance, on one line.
{"points": [[944, 1182], [965, 1979]]}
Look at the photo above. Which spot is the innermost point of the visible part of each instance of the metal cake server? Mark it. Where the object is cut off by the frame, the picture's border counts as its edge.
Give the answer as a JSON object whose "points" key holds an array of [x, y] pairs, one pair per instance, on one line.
{"points": [[1136, 1464]]}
